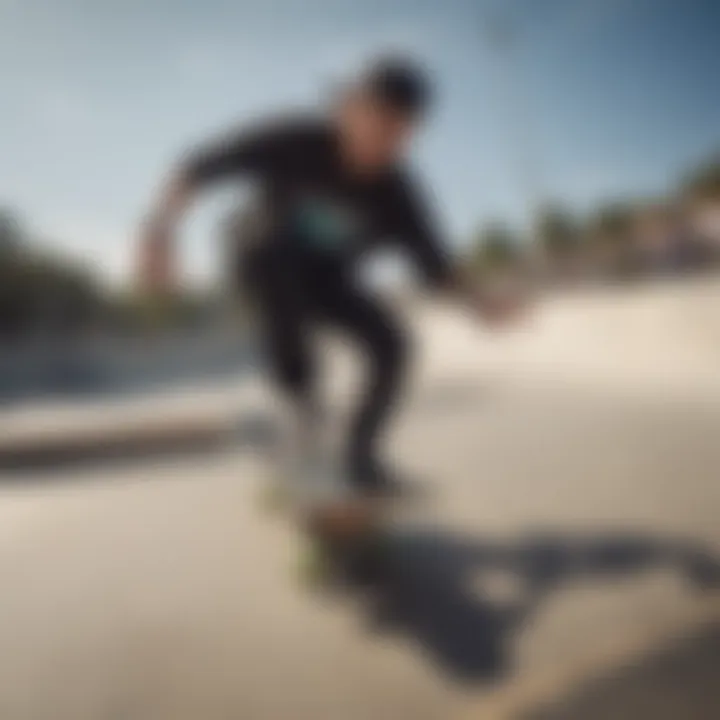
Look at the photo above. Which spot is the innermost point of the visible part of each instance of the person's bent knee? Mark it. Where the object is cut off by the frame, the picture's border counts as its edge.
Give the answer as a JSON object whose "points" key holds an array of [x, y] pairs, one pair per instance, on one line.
{"points": [[393, 350], [293, 375]]}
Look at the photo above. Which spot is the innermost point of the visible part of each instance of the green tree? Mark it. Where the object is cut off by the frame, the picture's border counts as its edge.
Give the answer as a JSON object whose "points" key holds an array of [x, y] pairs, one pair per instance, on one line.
{"points": [[558, 232], [10, 234], [38, 291], [612, 222], [610, 238], [496, 247]]}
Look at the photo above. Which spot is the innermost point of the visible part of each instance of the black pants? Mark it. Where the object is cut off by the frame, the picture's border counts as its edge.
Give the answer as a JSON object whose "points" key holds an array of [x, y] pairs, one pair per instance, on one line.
{"points": [[294, 296]]}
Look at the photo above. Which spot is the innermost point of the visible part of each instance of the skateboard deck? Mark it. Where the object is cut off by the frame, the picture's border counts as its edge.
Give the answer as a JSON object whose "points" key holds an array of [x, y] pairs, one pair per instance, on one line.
{"points": [[343, 536], [345, 543]]}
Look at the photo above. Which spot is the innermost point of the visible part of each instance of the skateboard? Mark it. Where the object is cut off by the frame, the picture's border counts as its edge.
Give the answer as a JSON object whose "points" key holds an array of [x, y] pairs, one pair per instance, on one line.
{"points": [[344, 537], [345, 543]]}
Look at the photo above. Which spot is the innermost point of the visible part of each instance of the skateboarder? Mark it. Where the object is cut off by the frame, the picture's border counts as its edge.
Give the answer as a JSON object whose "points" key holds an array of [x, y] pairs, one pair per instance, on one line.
{"points": [[332, 187]]}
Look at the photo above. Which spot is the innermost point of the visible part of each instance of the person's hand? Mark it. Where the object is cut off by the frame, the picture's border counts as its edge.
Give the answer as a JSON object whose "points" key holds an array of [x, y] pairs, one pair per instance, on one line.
{"points": [[501, 305]]}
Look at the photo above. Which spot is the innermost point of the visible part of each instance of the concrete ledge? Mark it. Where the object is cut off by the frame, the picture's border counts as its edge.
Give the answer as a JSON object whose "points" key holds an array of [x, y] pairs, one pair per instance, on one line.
{"points": [[185, 434], [188, 420]]}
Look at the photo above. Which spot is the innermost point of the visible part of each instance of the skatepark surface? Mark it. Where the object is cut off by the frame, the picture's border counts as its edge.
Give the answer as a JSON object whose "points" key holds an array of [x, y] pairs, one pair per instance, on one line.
{"points": [[566, 564]]}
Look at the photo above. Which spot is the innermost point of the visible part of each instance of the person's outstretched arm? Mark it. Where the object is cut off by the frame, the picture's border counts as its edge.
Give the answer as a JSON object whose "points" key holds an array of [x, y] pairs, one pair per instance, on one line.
{"points": [[240, 153], [416, 228]]}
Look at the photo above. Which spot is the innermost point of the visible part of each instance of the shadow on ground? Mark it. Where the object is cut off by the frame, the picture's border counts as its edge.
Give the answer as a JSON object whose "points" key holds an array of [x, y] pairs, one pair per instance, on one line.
{"points": [[430, 590], [681, 681]]}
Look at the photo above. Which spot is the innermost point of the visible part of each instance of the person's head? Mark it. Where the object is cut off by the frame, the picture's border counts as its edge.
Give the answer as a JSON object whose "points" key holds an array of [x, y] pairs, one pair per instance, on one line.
{"points": [[380, 111]]}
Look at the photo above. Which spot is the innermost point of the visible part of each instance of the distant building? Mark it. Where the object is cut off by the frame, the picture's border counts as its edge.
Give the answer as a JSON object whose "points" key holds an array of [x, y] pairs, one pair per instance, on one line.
{"points": [[705, 219], [656, 232], [665, 238]]}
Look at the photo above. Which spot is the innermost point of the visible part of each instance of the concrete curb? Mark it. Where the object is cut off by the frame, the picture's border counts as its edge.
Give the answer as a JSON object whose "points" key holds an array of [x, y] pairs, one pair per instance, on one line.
{"points": [[48, 450], [193, 419]]}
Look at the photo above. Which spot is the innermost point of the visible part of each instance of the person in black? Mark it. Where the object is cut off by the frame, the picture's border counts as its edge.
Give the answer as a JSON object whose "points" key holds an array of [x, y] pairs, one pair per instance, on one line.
{"points": [[331, 189]]}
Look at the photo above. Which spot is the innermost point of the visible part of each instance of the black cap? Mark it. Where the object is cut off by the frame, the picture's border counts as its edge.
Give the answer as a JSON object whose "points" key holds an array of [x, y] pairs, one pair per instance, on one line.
{"points": [[399, 83]]}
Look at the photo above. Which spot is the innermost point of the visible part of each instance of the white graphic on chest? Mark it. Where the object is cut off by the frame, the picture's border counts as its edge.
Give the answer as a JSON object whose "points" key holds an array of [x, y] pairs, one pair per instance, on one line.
{"points": [[326, 223]]}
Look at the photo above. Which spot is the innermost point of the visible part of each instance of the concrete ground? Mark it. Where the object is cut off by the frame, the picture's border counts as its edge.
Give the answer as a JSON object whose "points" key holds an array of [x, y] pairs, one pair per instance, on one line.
{"points": [[570, 539]]}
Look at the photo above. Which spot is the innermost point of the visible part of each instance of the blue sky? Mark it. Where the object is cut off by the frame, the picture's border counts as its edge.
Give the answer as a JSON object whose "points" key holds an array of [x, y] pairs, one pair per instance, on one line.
{"points": [[617, 97]]}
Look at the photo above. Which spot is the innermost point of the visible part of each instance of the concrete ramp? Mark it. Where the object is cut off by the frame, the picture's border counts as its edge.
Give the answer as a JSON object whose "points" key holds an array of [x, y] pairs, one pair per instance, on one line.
{"points": [[658, 336]]}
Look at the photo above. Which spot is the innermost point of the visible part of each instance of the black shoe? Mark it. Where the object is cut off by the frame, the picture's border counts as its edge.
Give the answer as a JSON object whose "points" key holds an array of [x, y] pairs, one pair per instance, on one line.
{"points": [[371, 479]]}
